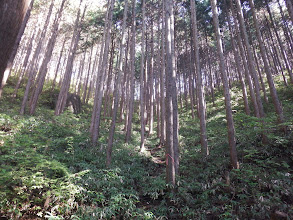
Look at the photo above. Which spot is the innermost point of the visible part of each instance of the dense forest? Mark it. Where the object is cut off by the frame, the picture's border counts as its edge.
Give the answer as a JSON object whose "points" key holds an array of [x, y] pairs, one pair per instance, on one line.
{"points": [[146, 109]]}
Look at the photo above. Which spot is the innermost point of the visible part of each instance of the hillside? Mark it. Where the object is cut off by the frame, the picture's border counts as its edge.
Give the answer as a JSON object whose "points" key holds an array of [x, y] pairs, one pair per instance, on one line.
{"points": [[49, 168]]}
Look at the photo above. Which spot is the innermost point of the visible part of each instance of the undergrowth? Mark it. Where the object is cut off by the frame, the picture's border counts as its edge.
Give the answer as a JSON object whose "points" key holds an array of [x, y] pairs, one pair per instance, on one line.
{"points": [[50, 170]]}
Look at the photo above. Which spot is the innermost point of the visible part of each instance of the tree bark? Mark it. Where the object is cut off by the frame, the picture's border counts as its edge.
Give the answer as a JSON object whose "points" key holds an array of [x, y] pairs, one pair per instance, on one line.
{"points": [[238, 66], [250, 59], [142, 75], [62, 97], [32, 67], [272, 87], [96, 116], [172, 156], [117, 87], [16, 43], [88, 76], [162, 81], [58, 64], [132, 77], [12, 14], [200, 95], [25, 62], [229, 116], [280, 43], [245, 64], [48, 54]]}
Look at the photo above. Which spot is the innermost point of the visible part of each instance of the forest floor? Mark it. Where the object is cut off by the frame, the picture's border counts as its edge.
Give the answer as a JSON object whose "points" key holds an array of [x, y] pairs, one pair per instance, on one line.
{"points": [[50, 170]]}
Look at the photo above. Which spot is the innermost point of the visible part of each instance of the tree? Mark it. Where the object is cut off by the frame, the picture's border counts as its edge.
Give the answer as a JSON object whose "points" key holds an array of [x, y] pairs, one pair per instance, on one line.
{"points": [[229, 116], [282, 49], [268, 72], [48, 54], [199, 86], [33, 63], [62, 97], [103, 63], [172, 151], [238, 65], [117, 86], [13, 52], [132, 77], [251, 64], [142, 73]]}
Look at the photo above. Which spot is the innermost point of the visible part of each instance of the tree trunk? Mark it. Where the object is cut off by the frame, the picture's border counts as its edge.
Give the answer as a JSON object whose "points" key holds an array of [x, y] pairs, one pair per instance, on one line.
{"points": [[142, 75], [25, 62], [58, 64], [162, 81], [132, 77], [17, 40], [32, 68], [238, 66], [94, 76], [286, 30], [96, 116], [229, 116], [48, 54], [151, 82], [273, 91], [62, 98], [88, 76], [250, 59], [117, 87], [245, 64], [280, 44], [172, 156], [12, 16], [201, 101]]}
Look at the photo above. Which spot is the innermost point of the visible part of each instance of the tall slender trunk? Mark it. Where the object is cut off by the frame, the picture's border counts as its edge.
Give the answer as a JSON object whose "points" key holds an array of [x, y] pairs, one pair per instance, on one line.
{"points": [[274, 52], [132, 76], [108, 101], [151, 82], [250, 59], [229, 116], [162, 80], [32, 68], [88, 75], [172, 156], [48, 54], [211, 82], [58, 64], [245, 64], [142, 75], [125, 85], [96, 116], [273, 91], [201, 104], [286, 30], [280, 43], [117, 87], [94, 76], [62, 98], [25, 62], [238, 66]]}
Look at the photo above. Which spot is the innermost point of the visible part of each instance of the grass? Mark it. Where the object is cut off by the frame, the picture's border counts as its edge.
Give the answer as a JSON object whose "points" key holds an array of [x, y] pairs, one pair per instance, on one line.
{"points": [[49, 169]]}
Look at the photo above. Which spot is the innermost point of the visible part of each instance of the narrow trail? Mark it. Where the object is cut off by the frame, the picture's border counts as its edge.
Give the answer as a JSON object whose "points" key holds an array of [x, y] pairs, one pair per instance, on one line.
{"points": [[156, 158]]}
